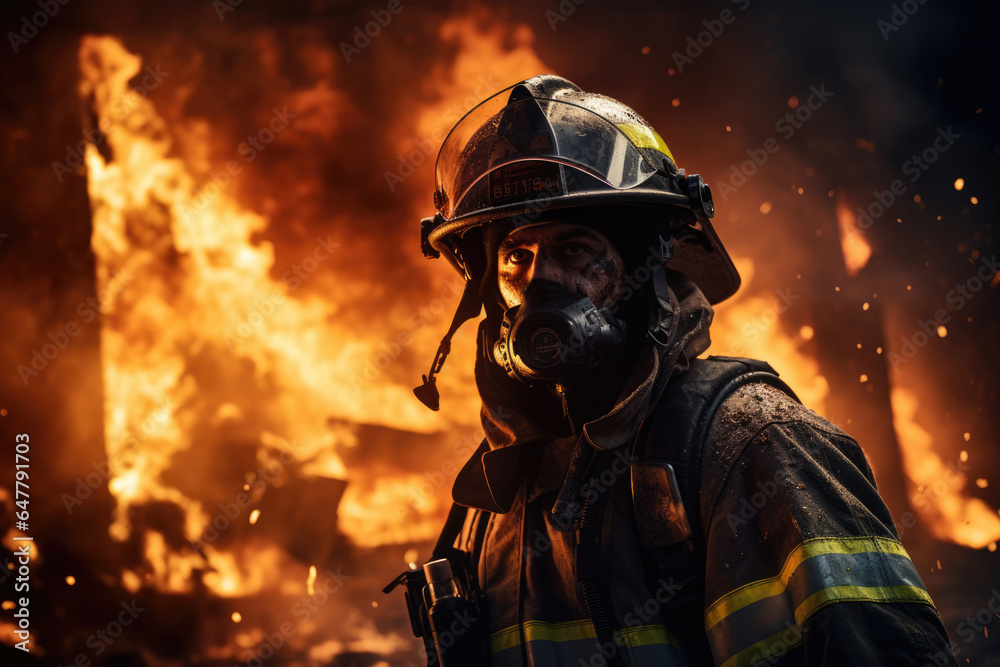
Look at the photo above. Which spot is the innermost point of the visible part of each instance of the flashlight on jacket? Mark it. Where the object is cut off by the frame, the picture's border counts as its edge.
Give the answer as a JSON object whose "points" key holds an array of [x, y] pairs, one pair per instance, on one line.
{"points": [[454, 618]]}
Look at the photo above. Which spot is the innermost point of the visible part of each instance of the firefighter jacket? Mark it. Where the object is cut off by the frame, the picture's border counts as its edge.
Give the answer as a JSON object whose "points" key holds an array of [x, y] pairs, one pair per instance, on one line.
{"points": [[798, 561]]}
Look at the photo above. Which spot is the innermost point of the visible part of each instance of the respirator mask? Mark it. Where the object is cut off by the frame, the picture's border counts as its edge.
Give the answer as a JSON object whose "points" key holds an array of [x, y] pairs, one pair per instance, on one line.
{"points": [[558, 336]]}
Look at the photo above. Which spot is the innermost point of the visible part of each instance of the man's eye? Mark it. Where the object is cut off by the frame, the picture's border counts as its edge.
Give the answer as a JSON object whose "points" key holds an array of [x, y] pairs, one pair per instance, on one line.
{"points": [[518, 256], [574, 249]]}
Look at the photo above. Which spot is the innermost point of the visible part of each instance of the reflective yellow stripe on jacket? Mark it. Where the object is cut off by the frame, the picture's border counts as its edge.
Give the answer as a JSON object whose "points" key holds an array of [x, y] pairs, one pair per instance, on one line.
{"points": [[538, 644], [764, 618]]}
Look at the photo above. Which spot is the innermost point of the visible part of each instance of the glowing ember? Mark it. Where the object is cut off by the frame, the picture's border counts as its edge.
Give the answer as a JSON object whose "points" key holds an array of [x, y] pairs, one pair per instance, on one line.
{"points": [[959, 183], [70, 580], [866, 144], [311, 581]]}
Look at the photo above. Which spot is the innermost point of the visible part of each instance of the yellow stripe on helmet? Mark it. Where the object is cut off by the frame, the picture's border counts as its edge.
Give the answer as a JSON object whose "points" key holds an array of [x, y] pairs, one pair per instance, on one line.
{"points": [[643, 136]]}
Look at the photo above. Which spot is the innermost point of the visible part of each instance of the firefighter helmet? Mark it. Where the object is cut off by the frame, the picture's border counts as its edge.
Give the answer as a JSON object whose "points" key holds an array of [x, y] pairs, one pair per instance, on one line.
{"points": [[543, 145]]}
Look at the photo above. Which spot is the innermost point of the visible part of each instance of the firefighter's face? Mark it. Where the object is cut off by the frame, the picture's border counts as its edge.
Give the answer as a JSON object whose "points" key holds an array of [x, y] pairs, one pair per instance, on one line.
{"points": [[580, 258]]}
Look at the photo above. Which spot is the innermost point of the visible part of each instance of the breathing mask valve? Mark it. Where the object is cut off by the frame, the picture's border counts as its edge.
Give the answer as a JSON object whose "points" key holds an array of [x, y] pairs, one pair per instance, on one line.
{"points": [[557, 336]]}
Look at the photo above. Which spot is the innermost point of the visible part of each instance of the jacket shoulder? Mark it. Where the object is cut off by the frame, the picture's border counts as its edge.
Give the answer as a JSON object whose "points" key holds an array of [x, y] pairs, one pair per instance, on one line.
{"points": [[738, 429], [679, 426], [677, 430]]}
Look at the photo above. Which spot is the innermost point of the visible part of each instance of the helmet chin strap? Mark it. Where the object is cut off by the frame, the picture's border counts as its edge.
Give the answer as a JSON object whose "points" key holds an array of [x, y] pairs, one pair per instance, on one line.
{"points": [[468, 307], [662, 317]]}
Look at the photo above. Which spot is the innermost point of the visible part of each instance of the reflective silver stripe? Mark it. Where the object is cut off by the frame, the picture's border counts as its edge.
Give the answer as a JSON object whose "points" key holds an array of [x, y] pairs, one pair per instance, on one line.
{"points": [[769, 624]]}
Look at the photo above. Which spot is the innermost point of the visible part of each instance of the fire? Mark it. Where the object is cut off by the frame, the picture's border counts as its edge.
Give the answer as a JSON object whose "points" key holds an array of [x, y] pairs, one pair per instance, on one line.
{"points": [[196, 300], [484, 66], [935, 487], [249, 571], [213, 366], [856, 249], [749, 325], [400, 510], [199, 291]]}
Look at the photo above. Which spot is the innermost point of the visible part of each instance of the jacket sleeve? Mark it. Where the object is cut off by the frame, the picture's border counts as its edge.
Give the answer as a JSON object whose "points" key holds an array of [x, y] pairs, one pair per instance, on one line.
{"points": [[803, 563]]}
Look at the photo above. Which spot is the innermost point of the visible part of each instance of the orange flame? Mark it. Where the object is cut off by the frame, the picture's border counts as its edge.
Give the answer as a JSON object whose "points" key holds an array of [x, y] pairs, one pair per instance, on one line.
{"points": [[935, 488], [749, 325], [855, 247]]}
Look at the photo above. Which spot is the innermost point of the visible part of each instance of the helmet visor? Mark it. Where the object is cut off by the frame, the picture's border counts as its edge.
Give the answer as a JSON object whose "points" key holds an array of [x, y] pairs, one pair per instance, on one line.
{"points": [[501, 131]]}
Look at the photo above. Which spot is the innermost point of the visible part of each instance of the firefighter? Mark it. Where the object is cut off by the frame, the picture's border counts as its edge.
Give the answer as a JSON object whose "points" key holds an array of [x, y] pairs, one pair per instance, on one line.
{"points": [[633, 504]]}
